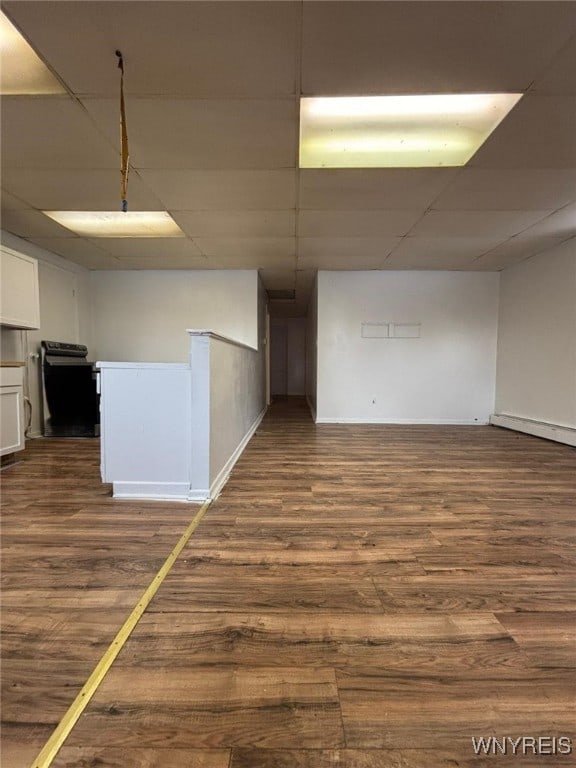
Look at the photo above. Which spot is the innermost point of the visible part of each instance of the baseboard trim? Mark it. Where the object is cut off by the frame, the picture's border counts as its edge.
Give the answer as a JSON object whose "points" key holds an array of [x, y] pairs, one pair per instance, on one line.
{"points": [[198, 495], [155, 491], [438, 422], [556, 432], [222, 477]]}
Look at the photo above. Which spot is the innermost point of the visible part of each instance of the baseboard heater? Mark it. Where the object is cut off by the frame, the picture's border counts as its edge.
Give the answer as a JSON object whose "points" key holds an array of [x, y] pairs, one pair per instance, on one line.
{"points": [[543, 429]]}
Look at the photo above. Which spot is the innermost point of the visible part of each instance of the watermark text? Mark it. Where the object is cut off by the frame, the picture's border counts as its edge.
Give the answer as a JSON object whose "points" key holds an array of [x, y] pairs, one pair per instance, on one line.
{"points": [[522, 745]]}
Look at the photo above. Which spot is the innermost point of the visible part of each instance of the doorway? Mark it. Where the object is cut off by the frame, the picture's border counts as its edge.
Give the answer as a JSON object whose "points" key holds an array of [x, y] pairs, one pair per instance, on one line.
{"points": [[287, 356]]}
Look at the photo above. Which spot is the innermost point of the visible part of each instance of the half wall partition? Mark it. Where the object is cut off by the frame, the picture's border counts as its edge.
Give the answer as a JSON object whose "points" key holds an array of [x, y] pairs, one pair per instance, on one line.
{"points": [[175, 430]]}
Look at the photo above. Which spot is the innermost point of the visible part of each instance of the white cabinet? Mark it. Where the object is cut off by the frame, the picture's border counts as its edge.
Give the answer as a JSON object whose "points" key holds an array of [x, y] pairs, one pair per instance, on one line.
{"points": [[20, 303], [11, 410]]}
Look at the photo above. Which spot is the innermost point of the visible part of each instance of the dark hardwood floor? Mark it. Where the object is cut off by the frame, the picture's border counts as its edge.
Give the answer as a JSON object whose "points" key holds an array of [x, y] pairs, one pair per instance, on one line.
{"points": [[358, 597]]}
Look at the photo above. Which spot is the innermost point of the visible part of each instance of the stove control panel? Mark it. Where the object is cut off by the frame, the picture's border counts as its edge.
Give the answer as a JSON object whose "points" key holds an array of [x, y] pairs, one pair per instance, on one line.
{"points": [[63, 348]]}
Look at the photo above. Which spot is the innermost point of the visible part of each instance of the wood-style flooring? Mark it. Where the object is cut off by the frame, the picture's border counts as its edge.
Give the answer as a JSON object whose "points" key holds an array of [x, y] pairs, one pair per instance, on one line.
{"points": [[358, 597]]}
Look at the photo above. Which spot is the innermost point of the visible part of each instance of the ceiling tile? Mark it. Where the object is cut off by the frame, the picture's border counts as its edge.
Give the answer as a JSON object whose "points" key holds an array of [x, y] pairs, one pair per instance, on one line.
{"points": [[78, 250], [538, 133], [178, 48], [341, 261], [236, 223], [212, 117], [560, 76], [440, 47], [356, 223], [147, 247], [487, 224], [559, 224], [521, 190], [204, 133], [353, 248], [430, 253], [256, 247], [32, 224], [78, 190], [52, 132], [516, 249], [223, 190], [161, 262], [253, 261], [372, 188], [10, 202]]}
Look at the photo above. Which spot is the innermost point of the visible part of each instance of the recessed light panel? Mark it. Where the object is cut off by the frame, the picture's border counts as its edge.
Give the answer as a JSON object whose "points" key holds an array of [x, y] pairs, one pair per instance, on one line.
{"points": [[422, 131], [118, 223], [22, 71]]}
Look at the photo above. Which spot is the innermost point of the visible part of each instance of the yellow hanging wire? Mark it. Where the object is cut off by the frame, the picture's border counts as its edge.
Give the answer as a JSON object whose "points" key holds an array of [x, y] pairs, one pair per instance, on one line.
{"points": [[125, 168]]}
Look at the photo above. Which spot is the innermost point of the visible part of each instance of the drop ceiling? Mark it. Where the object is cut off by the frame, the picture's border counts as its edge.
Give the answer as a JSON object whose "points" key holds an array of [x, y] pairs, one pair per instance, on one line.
{"points": [[213, 94]]}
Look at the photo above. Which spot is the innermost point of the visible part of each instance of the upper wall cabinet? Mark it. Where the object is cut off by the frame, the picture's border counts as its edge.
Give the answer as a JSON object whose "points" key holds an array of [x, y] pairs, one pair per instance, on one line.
{"points": [[20, 304]]}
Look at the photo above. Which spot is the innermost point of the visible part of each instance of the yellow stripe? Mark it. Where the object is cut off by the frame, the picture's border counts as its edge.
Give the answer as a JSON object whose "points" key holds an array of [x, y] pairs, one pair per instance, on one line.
{"points": [[90, 687]]}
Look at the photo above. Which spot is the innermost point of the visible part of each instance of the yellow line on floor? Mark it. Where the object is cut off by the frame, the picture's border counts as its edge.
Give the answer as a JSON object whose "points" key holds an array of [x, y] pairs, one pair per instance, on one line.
{"points": [[57, 739]]}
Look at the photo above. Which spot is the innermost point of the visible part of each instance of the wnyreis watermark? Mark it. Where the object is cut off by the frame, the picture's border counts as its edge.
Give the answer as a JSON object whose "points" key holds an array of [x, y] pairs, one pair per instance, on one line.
{"points": [[522, 745]]}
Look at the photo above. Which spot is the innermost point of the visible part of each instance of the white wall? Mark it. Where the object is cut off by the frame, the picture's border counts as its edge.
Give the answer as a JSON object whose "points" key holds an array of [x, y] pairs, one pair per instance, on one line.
{"points": [[65, 315], [288, 355], [143, 316], [311, 349], [536, 369], [446, 376]]}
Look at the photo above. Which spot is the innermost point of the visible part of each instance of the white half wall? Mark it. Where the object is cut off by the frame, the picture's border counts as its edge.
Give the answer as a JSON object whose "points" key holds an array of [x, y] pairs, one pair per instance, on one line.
{"points": [[175, 430], [146, 429], [536, 368], [142, 316], [447, 375]]}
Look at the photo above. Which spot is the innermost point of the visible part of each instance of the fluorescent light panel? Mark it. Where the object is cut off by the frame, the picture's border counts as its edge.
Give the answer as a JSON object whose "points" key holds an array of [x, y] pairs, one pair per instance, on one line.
{"points": [[22, 71], [118, 223], [419, 131]]}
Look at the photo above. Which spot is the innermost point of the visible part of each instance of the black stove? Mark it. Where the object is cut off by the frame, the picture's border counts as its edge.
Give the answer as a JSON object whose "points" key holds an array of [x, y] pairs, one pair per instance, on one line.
{"points": [[70, 397]]}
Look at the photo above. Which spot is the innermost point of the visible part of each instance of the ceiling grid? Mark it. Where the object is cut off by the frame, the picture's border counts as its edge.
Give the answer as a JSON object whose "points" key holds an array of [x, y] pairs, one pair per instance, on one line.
{"points": [[212, 99]]}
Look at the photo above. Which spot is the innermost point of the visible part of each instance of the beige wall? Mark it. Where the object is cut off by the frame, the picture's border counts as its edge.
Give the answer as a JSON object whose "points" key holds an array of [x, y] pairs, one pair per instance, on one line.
{"points": [[536, 371], [311, 348], [142, 316]]}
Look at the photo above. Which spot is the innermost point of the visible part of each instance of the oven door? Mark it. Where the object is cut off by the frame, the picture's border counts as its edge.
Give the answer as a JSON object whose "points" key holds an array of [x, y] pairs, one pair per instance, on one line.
{"points": [[70, 399]]}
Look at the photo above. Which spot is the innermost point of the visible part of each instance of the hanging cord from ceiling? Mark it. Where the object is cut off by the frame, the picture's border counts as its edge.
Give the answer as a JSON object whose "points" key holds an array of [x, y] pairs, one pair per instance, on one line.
{"points": [[124, 168]]}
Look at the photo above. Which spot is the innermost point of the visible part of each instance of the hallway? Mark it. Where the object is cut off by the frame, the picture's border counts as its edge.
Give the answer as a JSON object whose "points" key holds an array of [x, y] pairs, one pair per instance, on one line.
{"points": [[360, 596]]}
